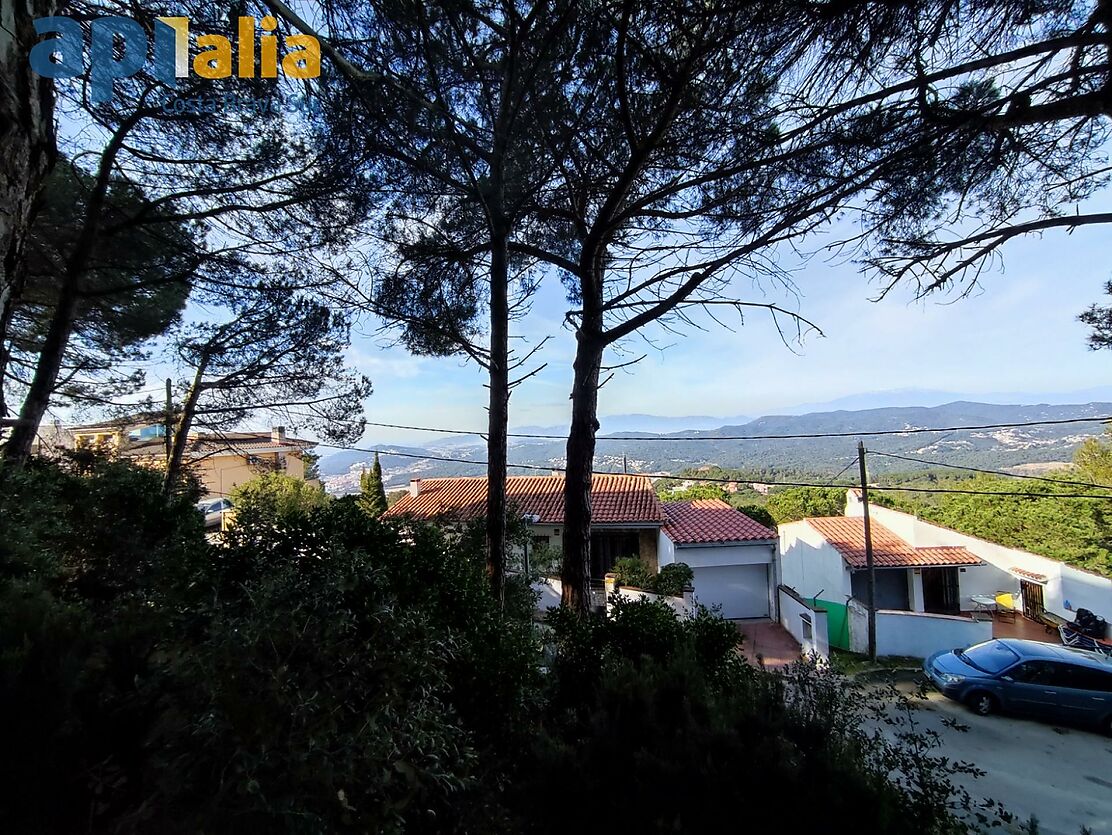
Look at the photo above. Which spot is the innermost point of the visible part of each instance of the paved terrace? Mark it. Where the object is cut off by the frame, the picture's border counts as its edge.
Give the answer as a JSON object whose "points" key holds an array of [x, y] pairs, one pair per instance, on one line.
{"points": [[767, 642]]}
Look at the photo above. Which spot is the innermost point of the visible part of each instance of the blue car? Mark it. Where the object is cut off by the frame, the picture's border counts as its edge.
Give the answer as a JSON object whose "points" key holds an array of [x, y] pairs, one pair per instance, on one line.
{"points": [[1048, 681]]}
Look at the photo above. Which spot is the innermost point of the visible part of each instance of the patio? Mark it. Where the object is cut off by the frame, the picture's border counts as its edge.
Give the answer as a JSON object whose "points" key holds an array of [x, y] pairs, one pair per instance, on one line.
{"points": [[768, 643], [1024, 628]]}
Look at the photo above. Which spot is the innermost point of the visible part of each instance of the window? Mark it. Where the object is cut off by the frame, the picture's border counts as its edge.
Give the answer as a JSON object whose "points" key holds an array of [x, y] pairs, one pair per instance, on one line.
{"points": [[1034, 672], [1085, 678], [807, 631], [991, 656]]}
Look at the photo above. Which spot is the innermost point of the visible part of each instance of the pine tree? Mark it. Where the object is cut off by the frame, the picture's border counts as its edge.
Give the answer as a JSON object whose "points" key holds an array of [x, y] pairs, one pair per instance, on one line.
{"points": [[372, 495]]}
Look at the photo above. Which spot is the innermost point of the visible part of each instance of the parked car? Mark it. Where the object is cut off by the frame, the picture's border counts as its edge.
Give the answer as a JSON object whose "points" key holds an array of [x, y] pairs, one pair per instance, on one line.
{"points": [[1049, 681], [214, 510]]}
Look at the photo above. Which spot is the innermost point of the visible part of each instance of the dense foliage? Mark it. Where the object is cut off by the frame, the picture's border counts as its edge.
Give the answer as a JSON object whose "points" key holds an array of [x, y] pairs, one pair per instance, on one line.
{"points": [[671, 580], [321, 671], [687, 494], [794, 503], [317, 673]]}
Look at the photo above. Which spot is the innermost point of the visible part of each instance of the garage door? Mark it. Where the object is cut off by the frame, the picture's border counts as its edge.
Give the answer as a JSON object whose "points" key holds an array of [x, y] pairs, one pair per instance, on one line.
{"points": [[741, 590]]}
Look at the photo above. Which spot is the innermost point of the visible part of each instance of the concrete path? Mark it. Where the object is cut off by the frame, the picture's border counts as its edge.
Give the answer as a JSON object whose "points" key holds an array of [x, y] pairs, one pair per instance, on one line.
{"points": [[1062, 775], [767, 642]]}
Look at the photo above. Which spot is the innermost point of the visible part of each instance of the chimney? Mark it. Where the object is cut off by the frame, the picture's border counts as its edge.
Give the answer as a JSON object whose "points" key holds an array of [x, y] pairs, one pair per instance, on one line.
{"points": [[278, 434], [414, 486]]}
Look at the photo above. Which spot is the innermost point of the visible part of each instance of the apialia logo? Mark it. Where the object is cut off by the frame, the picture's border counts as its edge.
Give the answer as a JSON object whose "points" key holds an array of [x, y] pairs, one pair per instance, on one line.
{"points": [[119, 48]]}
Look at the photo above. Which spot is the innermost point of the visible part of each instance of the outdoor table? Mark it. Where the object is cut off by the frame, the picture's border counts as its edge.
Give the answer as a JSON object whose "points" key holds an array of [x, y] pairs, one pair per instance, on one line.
{"points": [[983, 603]]}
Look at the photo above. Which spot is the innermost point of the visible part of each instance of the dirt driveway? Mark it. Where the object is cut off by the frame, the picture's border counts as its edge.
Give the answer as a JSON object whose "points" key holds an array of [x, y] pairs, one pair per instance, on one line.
{"points": [[1061, 775]]}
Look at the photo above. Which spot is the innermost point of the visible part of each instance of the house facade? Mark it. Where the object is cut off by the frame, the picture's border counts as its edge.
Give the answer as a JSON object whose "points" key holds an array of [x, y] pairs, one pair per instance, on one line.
{"points": [[732, 557], [220, 461], [823, 560], [1040, 583], [627, 515]]}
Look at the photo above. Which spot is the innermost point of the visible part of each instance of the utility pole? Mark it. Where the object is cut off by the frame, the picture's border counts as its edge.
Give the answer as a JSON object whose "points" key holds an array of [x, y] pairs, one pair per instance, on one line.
{"points": [[625, 464], [868, 550], [169, 418]]}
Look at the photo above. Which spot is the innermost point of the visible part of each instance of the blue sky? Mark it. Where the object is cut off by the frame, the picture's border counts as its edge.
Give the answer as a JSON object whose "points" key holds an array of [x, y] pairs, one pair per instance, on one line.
{"points": [[1018, 332]]}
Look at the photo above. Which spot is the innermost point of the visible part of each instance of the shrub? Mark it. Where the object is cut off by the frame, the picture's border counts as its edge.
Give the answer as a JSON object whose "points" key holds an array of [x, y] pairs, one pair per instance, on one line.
{"points": [[321, 672], [673, 579], [317, 673], [664, 745], [642, 628], [633, 572]]}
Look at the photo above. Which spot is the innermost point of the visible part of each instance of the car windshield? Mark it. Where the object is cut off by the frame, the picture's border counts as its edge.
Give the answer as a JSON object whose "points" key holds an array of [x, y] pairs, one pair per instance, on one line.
{"points": [[992, 656]]}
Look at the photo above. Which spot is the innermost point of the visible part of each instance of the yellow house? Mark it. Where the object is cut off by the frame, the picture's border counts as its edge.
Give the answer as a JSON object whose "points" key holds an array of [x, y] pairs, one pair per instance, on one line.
{"points": [[221, 461], [226, 460]]}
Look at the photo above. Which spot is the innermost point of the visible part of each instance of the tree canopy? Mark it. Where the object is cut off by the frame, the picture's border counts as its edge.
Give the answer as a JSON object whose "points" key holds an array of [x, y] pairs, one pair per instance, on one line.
{"points": [[134, 289]]}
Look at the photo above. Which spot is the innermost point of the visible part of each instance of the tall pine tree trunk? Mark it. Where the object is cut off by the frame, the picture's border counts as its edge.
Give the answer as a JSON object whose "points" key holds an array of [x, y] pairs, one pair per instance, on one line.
{"points": [[499, 411], [27, 152], [183, 425], [590, 345], [58, 335]]}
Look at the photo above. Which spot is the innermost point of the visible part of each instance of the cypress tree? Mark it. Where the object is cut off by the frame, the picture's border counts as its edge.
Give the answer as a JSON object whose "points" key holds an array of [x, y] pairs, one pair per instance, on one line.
{"points": [[372, 495]]}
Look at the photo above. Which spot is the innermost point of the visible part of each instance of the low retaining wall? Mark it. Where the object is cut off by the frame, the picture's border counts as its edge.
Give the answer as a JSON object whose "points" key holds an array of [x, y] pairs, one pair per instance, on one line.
{"points": [[549, 590], [684, 607], [914, 634], [807, 624]]}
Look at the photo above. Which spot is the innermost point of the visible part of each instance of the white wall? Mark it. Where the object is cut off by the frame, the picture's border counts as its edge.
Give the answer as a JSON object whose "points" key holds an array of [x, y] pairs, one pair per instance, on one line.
{"points": [[737, 554], [684, 607], [1082, 589], [811, 565], [791, 618], [914, 634], [665, 549], [549, 590], [983, 579]]}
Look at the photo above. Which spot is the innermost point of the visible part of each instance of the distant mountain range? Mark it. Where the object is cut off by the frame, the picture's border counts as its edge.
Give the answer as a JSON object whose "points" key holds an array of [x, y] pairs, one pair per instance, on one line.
{"points": [[652, 452], [935, 397]]}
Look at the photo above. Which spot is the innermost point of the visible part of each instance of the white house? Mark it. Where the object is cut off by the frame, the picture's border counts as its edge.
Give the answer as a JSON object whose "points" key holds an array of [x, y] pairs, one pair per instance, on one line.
{"points": [[732, 557], [823, 561], [1041, 582]]}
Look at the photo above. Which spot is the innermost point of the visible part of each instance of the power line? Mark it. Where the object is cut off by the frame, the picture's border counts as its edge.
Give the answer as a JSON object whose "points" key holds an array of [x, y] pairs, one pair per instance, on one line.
{"points": [[561, 469], [993, 472], [852, 461], [791, 436], [1003, 493], [1105, 497]]}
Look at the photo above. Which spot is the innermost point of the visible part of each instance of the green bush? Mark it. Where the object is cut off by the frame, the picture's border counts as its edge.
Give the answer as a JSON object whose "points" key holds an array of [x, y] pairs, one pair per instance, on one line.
{"points": [[673, 579], [666, 744], [633, 572], [316, 673]]}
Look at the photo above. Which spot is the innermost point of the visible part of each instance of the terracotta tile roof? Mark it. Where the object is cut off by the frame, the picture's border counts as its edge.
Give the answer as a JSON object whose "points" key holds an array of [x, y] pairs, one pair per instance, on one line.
{"points": [[1028, 575], [847, 535], [710, 520], [615, 499]]}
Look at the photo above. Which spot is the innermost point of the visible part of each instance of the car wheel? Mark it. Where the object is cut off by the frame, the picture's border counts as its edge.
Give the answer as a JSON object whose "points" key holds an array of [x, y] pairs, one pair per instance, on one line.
{"points": [[1106, 725], [981, 703]]}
